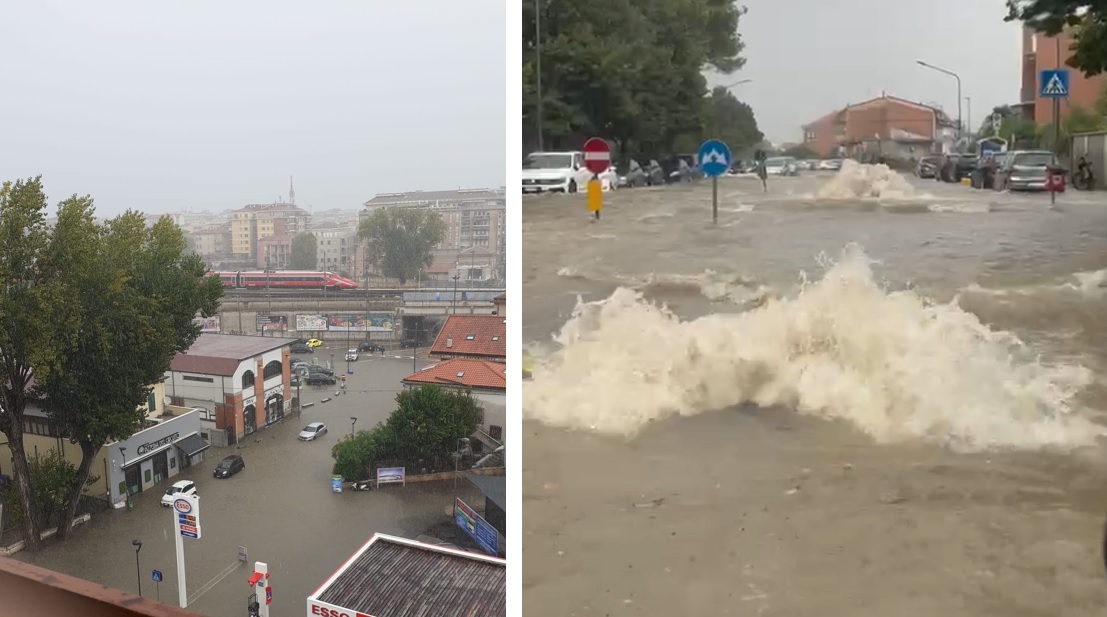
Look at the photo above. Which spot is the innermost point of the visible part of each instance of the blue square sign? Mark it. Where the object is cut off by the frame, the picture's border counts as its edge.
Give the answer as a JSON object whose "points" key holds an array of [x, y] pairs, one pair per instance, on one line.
{"points": [[1053, 83]]}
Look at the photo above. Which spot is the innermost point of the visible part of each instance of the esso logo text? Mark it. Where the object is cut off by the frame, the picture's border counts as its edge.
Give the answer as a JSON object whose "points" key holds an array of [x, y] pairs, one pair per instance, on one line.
{"points": [[182, 506], [323, 611]]}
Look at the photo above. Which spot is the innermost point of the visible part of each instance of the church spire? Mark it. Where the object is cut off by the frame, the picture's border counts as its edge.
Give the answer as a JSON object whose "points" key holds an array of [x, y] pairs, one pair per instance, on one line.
{"points": [[291, 192]]}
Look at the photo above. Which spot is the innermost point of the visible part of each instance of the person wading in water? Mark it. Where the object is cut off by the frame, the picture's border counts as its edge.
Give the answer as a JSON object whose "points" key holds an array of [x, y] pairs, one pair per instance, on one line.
{"points": [[759, 165]]}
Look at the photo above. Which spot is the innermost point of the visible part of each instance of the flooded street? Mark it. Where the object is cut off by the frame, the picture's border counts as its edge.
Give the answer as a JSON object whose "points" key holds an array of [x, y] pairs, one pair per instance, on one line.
{"points": [[847, 406], [280, 508]]}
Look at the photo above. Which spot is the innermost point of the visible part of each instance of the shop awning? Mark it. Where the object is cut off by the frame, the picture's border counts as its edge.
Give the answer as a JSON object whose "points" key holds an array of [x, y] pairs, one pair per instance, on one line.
{"points": [[191, 445]]}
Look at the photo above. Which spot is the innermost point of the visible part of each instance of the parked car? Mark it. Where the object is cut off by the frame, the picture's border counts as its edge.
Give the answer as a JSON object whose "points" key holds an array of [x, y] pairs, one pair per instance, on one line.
{"points": [[181, 487], [676, 170], [300, 348], [694, 168], [631, 175], [955, 166], [555, 172], [313, 430], [351, 355], [780, 166], [313, 343], [229, 466], [408, 343], [655, 175], [1024, 170], [370, 348], [927, 167], [320, 379], [830, 164]]}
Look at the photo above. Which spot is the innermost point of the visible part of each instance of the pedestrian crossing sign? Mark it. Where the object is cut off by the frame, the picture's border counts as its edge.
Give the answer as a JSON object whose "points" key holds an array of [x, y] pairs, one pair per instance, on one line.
{"points": [[1053, 83]]}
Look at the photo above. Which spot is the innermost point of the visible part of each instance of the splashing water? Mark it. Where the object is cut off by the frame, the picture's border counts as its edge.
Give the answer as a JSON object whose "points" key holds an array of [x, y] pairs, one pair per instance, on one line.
{"points": [[858, 180], [896, 366]]}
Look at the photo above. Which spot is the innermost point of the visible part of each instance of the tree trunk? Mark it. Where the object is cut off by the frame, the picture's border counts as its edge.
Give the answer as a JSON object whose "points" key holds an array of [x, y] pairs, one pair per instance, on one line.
{"points": [[73, 497], [23, 484]]}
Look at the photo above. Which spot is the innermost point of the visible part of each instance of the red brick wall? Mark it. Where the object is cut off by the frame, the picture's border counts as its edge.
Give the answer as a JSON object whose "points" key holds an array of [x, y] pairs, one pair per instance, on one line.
{"points": [[824, 143], [866, 121], [1083, 91]]}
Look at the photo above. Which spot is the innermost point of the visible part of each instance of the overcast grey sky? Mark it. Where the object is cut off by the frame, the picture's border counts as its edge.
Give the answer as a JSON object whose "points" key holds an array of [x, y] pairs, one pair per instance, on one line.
{"points": [[163, 106], [810, 57]]}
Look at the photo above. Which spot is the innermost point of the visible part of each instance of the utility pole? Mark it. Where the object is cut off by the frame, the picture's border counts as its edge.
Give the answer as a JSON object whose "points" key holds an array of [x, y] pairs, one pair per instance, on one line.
{"points": [[538, 67]]}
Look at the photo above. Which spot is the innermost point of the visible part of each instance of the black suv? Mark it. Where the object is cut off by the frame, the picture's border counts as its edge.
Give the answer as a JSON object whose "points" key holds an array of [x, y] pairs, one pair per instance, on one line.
{"points": [[229, 466], [320, 379], [956, 166], [300, 347], [370, 348]]}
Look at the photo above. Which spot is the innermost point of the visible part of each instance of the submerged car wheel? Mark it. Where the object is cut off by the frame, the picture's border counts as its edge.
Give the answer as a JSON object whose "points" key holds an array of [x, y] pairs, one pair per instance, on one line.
{"points": [[572, 186]]}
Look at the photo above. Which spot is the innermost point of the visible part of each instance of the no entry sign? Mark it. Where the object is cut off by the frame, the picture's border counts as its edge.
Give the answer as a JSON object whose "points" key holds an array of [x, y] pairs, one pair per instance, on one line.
{"points": [[597, 155]]}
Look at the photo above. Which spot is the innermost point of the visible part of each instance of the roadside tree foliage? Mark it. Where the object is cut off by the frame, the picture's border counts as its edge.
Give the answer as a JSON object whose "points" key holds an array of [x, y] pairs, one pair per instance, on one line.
{"points": [[51, 478], [401, 241], [1088, 20], [426, 426], [304, 254], [630, 71], [123, 297]]}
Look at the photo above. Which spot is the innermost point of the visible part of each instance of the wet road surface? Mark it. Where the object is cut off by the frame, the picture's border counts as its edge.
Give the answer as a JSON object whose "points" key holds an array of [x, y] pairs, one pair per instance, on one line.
{"points": [[281, 508], [914, 436]]}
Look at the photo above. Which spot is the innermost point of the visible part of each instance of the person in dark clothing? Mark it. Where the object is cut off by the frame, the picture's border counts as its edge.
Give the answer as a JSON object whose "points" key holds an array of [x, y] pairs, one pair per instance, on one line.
{"points": [[759, 166]]}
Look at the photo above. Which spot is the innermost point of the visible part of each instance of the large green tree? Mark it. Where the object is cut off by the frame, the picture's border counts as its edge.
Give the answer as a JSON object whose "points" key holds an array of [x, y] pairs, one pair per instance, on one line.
{"points": [[304, 255], [1087, 20], [629, 70], [731, 120], [401, 241], [135, 292], [426, 425], [35, 330]]}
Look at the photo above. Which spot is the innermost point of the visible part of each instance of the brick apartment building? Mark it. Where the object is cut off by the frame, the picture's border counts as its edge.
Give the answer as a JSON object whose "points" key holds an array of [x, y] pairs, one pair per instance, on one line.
{"points": [[886, 126], [1041, 52]]}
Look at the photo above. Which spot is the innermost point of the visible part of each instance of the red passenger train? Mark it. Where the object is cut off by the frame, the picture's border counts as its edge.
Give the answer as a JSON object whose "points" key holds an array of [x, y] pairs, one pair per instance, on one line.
{"points": [[284, 279]]}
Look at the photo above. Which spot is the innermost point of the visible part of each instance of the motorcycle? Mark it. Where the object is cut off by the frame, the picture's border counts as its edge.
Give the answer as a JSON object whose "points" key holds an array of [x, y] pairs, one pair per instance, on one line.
{"points": [[1082, 179], [362, 485]]}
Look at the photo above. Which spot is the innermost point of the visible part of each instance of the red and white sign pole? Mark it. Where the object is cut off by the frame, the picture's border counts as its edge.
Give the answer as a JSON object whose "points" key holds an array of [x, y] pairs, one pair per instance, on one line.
{"points": [[259, 580], [597, 158], [186, 522]]}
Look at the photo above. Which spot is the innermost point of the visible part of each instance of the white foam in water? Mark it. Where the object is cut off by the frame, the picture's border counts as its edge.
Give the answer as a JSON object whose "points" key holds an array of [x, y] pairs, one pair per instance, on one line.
{"points": [[858, 180], [896, 366]]}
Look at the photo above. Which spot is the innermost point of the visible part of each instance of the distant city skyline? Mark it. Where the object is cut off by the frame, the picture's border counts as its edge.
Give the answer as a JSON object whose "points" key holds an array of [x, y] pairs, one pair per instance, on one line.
{"points": [[120, 101]]}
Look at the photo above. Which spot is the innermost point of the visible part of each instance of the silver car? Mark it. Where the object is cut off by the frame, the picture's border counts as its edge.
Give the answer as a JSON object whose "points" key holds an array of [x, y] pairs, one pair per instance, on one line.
{"points": [[312, 431], [1024, 170]]}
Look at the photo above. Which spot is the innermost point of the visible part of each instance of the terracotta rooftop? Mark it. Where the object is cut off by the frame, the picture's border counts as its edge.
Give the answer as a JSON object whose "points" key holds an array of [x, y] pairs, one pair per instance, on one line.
{"points": [[220, 354], [500, 298], [472, 335], [463, 372], [398, 577]]}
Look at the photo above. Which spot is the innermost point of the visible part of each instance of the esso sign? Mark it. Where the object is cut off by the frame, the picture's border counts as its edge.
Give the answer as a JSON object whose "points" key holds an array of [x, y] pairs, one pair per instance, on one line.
{"points": [[182, 506], [326, 611]]}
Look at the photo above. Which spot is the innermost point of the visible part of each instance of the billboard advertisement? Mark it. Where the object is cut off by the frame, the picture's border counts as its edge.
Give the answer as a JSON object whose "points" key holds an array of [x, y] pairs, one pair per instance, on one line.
{"points": [[391, 475], [476, 527], [360, 322], [272, 323], [311, 322], [207, 324]]}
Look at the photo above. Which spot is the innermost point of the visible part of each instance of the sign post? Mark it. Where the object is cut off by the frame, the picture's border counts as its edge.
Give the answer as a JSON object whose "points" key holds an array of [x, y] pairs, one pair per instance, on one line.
{"points": [[259, 582], [714, 157], [1054, 84], [156, 575], [597, 158], [186, 523]]}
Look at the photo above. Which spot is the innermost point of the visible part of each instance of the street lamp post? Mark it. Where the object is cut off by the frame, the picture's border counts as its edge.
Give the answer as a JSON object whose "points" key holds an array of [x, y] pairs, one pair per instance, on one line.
{"points": [[968, 115], [353, 421], [737, 83], [138, 570], [538, 67], [455, 277], [958, 78]]}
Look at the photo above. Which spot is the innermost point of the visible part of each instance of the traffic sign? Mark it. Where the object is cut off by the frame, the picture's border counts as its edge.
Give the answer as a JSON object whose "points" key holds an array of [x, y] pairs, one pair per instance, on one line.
{"points": [[714, 157], [1053, 83], [189, 534], [597, 155], [156, 576]]}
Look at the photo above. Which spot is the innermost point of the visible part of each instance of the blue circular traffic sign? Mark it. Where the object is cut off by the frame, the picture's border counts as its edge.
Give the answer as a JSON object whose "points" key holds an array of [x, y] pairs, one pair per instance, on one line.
{"points": [[714, 157]]}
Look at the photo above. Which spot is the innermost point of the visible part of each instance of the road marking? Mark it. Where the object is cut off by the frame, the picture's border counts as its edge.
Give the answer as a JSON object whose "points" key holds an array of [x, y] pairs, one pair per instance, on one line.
{"points": [[213, 582]]}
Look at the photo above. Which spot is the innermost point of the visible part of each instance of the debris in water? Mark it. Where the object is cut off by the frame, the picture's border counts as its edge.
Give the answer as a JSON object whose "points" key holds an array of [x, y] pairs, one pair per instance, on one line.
{"points": [[650, 504]]}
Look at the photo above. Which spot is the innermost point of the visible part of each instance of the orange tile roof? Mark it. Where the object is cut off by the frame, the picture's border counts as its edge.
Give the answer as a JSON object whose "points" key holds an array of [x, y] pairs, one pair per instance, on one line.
{"points": [[472, 335], [471, 373]]}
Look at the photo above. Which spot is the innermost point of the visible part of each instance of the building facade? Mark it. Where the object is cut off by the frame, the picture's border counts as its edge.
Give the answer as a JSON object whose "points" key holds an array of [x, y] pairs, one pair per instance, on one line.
{"points": [[1041, 52], [211, 241], [336, 249], [238, 384], [255, 222], [885, 126], [166, 444]]}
